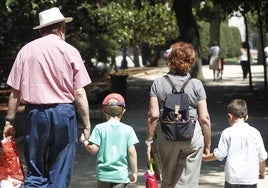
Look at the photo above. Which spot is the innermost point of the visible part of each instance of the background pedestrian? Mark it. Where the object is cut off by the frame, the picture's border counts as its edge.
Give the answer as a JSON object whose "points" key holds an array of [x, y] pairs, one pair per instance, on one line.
{"points": [[214, 61], [244, 62]]}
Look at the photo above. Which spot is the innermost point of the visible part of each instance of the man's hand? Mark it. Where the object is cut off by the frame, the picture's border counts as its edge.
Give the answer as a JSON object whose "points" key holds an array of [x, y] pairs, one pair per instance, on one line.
{"points": [[9, 130]]}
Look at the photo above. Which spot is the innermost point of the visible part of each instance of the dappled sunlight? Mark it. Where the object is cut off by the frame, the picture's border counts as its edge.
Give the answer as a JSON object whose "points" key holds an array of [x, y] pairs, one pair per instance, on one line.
{"points": [[139, 82]]}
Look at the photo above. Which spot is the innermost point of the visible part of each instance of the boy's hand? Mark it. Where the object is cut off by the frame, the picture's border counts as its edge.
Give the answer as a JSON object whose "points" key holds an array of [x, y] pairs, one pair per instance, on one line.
{"points": [[209, 157], [204, 158], [262, 176], [134, 177]]}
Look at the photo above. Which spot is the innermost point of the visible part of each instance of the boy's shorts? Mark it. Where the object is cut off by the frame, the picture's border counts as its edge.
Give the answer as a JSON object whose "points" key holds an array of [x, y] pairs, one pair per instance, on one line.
{"points": [[101, 184]]}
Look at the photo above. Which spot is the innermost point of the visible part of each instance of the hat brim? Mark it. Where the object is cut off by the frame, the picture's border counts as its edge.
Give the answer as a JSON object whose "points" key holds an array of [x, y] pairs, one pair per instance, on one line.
{"points": [[66, 20]]}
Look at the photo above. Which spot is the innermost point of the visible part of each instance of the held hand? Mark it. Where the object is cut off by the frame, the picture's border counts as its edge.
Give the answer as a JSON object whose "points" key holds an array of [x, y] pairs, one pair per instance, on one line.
{"points": [[206, 151], [85, 134], [262, 176], [82, 137], [8, 131], [204, 158]]}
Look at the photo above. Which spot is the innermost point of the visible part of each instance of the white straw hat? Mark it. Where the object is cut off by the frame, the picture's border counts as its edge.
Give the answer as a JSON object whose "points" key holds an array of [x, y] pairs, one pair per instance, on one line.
{"points": [[51, 16]]}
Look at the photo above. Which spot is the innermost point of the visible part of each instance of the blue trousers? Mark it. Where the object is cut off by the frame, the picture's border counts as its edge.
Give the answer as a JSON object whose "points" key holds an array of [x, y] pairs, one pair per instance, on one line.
{"points": [[50, 145]]}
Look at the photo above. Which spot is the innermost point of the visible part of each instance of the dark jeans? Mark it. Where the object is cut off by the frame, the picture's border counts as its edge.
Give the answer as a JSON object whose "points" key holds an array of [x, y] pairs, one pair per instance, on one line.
{"points": [[50, 145], [245, 68], [228, 185]]}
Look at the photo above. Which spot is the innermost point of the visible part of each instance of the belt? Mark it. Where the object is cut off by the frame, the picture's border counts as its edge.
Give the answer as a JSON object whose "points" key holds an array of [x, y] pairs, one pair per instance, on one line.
{"points": [[45, 106]]}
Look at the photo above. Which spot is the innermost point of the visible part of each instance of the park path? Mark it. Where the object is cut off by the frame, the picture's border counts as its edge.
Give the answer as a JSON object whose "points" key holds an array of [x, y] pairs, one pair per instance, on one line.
{"points": [[218, 93]]}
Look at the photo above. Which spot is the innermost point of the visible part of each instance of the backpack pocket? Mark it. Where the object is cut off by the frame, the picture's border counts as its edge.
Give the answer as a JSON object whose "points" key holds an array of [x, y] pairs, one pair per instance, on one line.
{"points": [[178, 131]]}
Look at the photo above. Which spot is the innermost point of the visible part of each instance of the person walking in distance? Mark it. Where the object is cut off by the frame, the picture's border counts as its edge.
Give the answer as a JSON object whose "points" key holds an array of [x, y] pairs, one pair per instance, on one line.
{"points": [[214, 62], [48, 77], [223, 62], [244, 62]]}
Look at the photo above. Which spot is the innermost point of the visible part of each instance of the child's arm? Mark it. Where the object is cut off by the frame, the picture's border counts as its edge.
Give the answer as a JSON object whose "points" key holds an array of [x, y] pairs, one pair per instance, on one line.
{"points": [[91, 148], [133, 163], [209, 157], [262, 170]]}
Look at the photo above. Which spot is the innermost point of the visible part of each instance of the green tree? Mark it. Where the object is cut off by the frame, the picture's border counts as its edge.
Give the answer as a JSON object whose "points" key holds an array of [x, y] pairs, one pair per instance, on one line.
{"points": [[237, 40], [230, 41], [259, 7], [227, 42], [204, 40], [214, 15], [112, 26], [99, 28], [188, 31]]}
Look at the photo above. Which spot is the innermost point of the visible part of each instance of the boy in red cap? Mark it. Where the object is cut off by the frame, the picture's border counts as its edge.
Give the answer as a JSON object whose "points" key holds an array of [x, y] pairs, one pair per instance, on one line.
{"points": [[113, 141]]}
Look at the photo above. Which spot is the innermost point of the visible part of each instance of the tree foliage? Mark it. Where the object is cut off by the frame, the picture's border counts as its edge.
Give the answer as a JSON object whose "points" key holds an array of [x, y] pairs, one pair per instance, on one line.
{"points": [[229, 42], [99, 28], [121, 24]]}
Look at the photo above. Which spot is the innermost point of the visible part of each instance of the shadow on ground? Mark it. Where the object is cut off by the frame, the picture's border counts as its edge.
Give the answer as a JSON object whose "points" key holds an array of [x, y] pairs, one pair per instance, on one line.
{"points": [[219, 94]]}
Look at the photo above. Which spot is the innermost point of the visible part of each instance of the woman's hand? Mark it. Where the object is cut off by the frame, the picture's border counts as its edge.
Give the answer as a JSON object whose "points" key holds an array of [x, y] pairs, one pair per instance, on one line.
{"points": [[134, 177], [149, 150], [207, 151]]}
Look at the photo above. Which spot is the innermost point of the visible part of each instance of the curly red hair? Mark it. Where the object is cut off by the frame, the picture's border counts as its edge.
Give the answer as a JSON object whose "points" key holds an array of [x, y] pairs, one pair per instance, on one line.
{"points": [[181, 58]]}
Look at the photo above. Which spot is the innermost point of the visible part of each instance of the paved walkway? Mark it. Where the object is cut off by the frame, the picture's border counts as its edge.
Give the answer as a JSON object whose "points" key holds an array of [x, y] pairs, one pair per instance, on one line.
{"points": [[219, 94]]}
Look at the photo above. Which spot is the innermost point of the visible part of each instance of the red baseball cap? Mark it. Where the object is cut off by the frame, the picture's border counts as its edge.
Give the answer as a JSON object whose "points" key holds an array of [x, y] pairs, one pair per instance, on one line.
{"points": [[114, 99]]}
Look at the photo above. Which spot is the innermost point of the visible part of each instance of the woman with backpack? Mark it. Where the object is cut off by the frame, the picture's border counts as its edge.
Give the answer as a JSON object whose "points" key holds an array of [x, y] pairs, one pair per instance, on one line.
{"points": [[180, 160]]}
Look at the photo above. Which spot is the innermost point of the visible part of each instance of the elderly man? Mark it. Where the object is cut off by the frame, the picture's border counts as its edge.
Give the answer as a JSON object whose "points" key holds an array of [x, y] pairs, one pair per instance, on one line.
{"points": [[48, 77]]}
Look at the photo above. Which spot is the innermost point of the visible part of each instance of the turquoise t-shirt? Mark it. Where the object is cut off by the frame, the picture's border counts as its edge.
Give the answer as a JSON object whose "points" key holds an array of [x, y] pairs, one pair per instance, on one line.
{"points": [[113, 138]]}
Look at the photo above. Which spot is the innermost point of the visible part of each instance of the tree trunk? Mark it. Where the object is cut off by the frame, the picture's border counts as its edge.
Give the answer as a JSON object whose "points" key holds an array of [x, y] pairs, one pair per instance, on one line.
{"points": [[136, 55], [248, 52], [261, 54], [189, 32], [215, 25], [124, 60]]}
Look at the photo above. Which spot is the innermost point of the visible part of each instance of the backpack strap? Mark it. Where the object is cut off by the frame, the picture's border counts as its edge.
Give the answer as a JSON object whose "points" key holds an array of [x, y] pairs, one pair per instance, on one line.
{"points": [[173, 85]]}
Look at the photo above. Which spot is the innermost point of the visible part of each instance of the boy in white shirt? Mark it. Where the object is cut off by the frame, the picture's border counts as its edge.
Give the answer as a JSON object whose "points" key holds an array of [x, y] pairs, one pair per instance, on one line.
{"points": [[243, 146]]}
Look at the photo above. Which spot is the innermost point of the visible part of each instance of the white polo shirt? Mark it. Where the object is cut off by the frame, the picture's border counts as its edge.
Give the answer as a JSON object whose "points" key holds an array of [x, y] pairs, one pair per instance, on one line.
{"points": [[244, 148]]}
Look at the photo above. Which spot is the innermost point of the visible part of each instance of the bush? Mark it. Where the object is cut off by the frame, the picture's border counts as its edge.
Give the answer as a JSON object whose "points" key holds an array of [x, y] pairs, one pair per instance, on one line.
{"points": [[230, 40]]}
